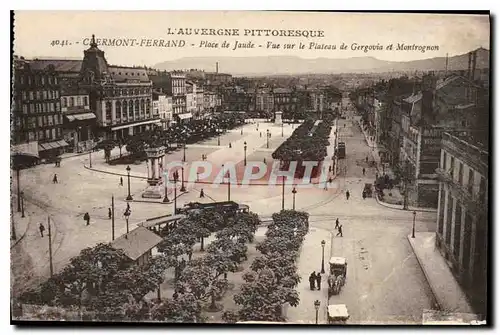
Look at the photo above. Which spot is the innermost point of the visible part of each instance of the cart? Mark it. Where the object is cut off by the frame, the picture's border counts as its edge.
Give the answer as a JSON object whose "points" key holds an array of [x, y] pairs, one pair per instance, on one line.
{"points": [[337, 276], [337, 314], [368, 190]]}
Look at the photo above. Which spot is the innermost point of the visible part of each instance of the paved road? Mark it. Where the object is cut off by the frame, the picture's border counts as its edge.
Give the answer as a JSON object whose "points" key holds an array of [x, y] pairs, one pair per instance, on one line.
{"points": [[384, 282]]}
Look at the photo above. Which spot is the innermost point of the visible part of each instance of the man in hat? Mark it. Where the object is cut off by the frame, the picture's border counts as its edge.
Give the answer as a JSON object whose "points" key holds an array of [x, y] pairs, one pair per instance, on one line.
{"points": [[312, 279]]}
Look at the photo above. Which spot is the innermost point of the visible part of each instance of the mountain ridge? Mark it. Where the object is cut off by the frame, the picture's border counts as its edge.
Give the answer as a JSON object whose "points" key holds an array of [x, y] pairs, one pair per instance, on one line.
{"points": [[274, 65]]}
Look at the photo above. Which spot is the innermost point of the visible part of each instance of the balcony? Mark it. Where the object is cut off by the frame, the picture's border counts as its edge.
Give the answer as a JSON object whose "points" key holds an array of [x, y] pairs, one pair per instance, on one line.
{"points": [[474, 201]]}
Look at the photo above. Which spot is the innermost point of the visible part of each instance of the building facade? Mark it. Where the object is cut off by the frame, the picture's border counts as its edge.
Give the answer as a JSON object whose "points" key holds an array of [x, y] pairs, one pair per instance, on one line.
{"points": [[36, 108], [173, 84], [462, 221]]}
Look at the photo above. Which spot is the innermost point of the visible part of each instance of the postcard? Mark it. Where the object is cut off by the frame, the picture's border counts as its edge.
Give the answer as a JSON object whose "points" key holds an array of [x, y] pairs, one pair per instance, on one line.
{"points": [[239, 167]]}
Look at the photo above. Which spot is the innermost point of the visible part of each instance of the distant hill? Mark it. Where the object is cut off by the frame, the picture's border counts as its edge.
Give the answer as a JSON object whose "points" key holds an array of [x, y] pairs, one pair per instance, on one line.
{"points": [[295, 65]]}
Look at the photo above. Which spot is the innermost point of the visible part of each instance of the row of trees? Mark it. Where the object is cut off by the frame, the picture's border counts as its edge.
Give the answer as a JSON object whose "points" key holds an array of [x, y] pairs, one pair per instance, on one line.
{"points": [[307, 143], [273, 277], [102, 284]]}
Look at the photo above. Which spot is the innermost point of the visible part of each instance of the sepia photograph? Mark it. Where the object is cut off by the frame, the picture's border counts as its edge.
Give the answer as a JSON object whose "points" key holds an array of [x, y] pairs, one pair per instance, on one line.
{"points": [[250, 167]]}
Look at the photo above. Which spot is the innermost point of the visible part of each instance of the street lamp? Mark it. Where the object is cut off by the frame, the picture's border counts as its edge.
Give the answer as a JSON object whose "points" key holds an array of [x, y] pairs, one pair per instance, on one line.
{"points": [[267, 135], [294, 191], [183, 189], [245, 152], [283, 194], [176, 177], [90, 158], [129, 197], [22, 204], [184, 154], [127, 215], [413, 228], [166, 199], [323, 256], [316, 307], [282, 130], [218, 138]]}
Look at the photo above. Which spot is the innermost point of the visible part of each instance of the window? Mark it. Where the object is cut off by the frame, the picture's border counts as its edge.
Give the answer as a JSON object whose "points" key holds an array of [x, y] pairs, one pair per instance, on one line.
{"points": [[452, 166], [25, 109], [470, 183], [71, 102], [85, 101], [31, 135], [108, 110], [31, 95], [41, 135], [43, 80], [460, 173], [51, 120], [44, 94], [130, 109], [24, 95], [47, 134], [54, 133], [38, 95]]}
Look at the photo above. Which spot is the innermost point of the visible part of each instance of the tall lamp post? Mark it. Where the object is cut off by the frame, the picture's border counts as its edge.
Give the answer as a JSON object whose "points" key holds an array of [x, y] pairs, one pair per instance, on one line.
{"points": [[316, 307], [127, 216], [282, 130], [129, 197], [245, 153], [183, 189], [90, 158], [22, 204], [283, 194], [323, 256], [294, 191], [413, 228], [176, 177], [267, 135], [165, 198], [184, 153]]}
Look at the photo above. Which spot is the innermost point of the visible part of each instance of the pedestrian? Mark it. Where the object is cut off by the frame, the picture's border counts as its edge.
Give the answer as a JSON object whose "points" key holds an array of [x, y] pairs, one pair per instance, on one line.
{"points": [[318, 280], [54, 180], [109, 213], [265, 161], [339, 231], [312, 278], [86, 217], [347, 194], [202, 194], [42, 229], [121, 181], [128, 207], [330, 180], [230, 146], [364, 171], [337, 223], [364, 195], [260, 134], [366, 159], [330, 168], [326, 186]]}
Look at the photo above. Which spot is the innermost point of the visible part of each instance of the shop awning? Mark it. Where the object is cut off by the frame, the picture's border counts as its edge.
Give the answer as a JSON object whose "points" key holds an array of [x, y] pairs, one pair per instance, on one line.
{"points": [[185, 116], [52, 145], [25, 149], [80, 117]]}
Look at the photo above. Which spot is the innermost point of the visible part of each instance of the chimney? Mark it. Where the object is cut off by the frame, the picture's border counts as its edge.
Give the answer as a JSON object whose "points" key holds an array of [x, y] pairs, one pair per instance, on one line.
{"points": [[216, 67], [446, 66], [468, 68], [473, 71]]}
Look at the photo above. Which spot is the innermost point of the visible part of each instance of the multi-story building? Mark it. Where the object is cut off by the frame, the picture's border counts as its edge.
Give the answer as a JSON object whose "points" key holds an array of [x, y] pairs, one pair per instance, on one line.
{"points": [[191, 98], [121, 97], [264, 102], [235, 98], [200, 102], [37, 113], [162, 106], [462, 220], [173, 84], [448, 105], [79, 120], [210, 102], [283, 102]]}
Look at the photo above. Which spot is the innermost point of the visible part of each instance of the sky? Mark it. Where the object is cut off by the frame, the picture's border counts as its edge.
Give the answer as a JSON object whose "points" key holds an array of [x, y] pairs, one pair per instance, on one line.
{"points": [[42, 33]]}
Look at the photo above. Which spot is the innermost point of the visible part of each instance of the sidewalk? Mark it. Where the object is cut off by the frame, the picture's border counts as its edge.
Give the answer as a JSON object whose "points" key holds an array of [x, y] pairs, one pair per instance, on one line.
{"points": [[20, 224], [446, 290], [401, 207], [309, 261]]}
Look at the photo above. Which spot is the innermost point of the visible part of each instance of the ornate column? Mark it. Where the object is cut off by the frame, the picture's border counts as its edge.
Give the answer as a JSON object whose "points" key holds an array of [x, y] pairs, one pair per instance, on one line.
{"points": [[153, 190]]}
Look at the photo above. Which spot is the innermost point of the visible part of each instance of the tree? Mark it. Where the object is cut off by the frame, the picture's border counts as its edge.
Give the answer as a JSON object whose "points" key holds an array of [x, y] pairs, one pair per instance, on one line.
{"points": [[261, 298], [235, 250], [205, 222], [185, 309], [283, 266]]}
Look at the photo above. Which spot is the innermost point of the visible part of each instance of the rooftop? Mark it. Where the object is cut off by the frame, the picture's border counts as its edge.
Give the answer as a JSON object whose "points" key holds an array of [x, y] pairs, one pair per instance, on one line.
{"points": [[60, 65], [137, 242]]}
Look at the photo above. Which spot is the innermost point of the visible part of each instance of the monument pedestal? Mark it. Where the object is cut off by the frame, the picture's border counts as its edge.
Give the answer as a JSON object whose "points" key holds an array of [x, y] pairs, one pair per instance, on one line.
{"points": [[154, 189], [277, 118]]}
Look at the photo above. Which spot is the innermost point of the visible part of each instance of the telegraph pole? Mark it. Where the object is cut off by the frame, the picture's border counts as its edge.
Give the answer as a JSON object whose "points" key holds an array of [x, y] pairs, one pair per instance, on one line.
{"points": [[112, 218], [50, 249]]}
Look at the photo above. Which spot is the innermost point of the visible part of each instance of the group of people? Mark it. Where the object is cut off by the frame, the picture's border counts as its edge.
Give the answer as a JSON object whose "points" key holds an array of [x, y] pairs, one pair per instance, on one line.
{"points": [[315, 280]]}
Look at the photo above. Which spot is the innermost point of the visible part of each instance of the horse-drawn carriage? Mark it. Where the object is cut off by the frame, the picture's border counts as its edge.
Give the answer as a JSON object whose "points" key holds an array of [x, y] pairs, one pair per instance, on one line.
{"points": [[337, 276], [337, 314]]}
